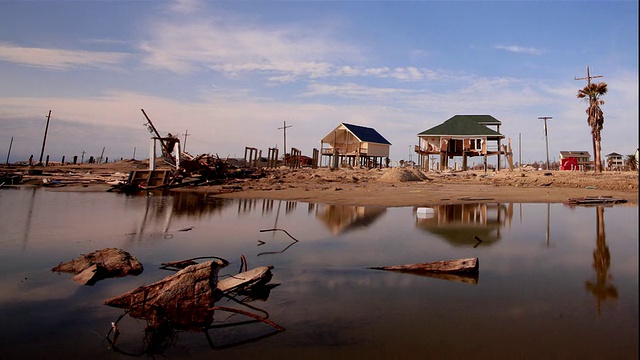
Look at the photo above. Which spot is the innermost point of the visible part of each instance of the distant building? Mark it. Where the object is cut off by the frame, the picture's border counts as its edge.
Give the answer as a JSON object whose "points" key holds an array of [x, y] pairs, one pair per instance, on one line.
{"points": [[355, 145], [615, 161], [583, 159]]}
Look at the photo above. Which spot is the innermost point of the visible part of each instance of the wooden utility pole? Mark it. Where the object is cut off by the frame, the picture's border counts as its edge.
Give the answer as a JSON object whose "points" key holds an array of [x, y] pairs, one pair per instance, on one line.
{"points": [[184, 146], [545, 118], [9, 153], [520, 149], [284, 129], [46, 129], [101, 155]]}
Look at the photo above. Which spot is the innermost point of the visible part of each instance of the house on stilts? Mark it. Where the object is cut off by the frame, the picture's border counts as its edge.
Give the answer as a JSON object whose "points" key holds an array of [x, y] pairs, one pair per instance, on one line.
{"points": [[462, 136], [355, 145]]}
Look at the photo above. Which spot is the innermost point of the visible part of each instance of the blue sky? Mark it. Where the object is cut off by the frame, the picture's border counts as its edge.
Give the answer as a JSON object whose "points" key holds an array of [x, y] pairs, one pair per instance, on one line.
{"points": [[230, 73]]}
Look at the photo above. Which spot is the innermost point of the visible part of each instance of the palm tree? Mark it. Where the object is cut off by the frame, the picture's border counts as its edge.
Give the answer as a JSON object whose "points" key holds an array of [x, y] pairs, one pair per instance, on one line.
{"points": [[592, 93]]}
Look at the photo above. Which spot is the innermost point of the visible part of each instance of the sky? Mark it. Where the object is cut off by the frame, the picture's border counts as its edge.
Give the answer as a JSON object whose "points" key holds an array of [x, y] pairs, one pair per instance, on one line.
{"points": [[225, 75]]}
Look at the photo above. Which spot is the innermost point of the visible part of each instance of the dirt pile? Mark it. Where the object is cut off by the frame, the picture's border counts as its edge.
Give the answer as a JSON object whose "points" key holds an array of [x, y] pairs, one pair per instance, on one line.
{"points": [[402, 175]]}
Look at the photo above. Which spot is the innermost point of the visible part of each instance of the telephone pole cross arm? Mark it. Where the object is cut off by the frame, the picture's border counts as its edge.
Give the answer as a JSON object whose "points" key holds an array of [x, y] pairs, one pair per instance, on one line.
{"points": [[589, 77]]}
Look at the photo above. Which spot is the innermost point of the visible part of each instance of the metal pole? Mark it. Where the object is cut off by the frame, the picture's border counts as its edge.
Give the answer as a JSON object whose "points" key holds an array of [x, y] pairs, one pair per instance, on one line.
{"points": [[545, 118], [9, 153], [46, 129]]}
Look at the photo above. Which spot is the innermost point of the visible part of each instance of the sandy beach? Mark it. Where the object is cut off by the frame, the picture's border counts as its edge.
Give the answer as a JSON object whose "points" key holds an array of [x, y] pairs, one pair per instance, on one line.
{"points": [[374, 187]]}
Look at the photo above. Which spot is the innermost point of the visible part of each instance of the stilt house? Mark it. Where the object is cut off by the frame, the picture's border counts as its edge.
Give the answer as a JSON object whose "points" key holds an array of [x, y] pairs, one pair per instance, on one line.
{"points": [[355, 145], [461, 135]]}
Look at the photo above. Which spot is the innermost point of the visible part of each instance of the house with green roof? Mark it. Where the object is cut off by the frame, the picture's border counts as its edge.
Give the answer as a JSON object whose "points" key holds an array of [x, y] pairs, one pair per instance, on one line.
{"points": [[355, 145], [461, 136]]}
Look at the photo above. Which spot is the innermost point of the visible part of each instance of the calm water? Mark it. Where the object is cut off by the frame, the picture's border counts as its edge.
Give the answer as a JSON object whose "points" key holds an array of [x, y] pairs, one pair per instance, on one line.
{"points": [[555, 282]]}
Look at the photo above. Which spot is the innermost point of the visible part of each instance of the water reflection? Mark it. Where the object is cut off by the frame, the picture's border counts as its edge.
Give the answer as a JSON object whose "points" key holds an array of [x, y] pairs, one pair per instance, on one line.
{"points": [[162, 210], [343, 218], [601, 289], [464, 224]]}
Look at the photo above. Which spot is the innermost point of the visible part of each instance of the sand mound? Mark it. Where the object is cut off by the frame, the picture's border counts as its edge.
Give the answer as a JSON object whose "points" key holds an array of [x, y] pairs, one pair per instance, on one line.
{"points": [[402, 175]]}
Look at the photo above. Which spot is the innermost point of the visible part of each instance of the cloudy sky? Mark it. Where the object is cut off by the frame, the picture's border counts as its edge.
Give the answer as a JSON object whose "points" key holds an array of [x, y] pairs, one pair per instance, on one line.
{"points": [[231, 73]]}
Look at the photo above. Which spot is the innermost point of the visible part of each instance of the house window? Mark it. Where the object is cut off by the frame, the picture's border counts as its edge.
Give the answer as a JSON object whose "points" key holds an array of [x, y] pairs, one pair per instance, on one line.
{"points": [[475, 144]]}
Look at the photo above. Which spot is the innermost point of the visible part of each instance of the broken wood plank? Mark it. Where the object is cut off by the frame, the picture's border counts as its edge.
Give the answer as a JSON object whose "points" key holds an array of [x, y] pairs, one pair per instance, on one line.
{"points": [[247, 278], [468, 265]]}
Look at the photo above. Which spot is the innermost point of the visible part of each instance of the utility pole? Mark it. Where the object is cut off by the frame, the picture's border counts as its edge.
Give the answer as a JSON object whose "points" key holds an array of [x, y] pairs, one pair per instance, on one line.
{"points": [[46, 129], [9, 153], [545, 118], [593, 140], [184, 146], [520, 149], [82, 158], [101, 154], [284, 129]]}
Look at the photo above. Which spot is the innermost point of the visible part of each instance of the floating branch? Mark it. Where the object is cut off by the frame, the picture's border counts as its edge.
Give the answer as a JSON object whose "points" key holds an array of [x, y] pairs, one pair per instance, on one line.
{"points": [[285, 231]]}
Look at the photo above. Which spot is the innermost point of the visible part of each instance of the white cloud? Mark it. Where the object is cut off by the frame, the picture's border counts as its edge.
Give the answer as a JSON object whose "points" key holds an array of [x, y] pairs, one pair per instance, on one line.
{"points": [[59, 59], [520, 49], [212, 43]]}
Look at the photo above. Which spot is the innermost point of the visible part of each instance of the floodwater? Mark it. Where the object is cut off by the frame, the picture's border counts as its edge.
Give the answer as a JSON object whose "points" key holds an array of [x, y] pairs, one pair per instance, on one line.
{"points": [[554, 282]]}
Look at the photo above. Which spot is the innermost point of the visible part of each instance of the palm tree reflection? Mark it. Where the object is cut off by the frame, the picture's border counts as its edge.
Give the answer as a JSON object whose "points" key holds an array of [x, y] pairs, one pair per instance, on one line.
{"points": [[601, 263]]}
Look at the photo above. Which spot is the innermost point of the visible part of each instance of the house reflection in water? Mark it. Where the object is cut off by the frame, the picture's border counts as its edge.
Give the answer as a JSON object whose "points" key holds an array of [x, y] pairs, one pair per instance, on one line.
{"points": [[342, 218], [459, 224]]}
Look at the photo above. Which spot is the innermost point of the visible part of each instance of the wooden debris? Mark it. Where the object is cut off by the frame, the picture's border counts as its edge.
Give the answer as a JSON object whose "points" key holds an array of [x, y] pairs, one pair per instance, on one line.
{"points": [[101, 264], [468, 265], [187, 297], [246, 279], [596, 200], [195, 282]]}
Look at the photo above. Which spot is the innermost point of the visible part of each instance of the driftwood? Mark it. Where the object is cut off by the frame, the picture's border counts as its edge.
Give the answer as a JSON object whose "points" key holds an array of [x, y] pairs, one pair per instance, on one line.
{"points": [[182, 298], [101, 264], [468, 265], [596, 200], [187, 297]]}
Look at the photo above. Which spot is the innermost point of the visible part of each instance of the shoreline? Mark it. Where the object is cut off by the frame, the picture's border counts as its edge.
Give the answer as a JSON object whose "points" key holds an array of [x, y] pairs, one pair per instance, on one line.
{"points": [[388, 187]]}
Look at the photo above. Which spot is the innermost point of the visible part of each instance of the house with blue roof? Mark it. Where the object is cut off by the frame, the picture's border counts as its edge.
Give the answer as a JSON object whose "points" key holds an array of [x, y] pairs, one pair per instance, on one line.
{"points": [[462, 136], [355, 145]]}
